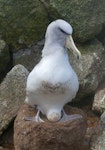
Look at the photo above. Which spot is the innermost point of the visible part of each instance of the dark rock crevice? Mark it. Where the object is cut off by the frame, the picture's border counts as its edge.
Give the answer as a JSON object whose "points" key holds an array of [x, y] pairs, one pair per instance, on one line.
{"points": [[101, 35]]}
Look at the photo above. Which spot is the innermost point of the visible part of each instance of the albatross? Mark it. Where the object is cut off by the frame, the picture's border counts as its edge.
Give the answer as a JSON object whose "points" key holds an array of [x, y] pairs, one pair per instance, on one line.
{"points": [[53, 83]]}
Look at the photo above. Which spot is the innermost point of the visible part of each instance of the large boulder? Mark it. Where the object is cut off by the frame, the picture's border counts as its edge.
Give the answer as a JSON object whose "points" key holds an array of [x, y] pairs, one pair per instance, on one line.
{"points": [[90, 68], [22, 22], [67, 135], [86, 16], [12, 95], [4, 56]]}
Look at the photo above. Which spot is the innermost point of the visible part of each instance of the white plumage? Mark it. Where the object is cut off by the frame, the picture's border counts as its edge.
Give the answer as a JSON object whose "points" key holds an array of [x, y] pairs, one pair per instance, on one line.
{"points": [[53, 83]]}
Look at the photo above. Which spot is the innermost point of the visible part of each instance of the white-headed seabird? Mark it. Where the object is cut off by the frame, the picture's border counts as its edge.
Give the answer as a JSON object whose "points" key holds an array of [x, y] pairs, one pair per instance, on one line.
{"points": [[53, 83]]}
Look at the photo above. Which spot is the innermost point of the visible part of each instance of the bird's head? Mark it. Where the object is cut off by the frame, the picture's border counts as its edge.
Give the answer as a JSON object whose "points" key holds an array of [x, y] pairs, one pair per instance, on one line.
{"points": [[60, 32]]}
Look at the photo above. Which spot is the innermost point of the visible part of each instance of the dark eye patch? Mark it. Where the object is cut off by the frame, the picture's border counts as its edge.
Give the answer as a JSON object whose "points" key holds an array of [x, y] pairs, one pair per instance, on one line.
{"points": [[62, 31]]}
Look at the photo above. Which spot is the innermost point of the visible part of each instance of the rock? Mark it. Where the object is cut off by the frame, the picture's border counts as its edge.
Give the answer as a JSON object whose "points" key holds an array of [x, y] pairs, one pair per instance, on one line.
{"points": [[67, 135], [99, 100], [103, 118], [12, 95], [90, 68], [98, 140], [25, 21], [1, 148], [29, 57], [86, 16], [94, 126], [4, 56]]}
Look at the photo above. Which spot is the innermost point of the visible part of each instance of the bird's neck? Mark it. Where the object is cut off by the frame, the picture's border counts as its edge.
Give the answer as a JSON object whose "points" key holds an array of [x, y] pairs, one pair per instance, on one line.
{"points": [[53, 50], [55, 39], [53, 45]]}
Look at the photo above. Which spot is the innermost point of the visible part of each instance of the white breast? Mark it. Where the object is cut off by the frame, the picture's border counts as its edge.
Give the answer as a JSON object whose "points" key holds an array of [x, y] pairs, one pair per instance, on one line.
{"points": [[52, 83]]}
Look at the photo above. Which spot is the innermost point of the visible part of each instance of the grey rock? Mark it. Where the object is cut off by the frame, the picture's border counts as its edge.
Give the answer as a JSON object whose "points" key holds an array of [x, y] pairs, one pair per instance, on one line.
{"points": [[12, 95], [22, 22], [99, 100], [90, 68], [103, 118], [86, 16], [98, 140]]}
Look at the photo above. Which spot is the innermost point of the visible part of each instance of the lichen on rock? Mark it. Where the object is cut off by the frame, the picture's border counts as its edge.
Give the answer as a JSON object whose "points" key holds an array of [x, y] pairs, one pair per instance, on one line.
{"points": [[22, 22], [86, 16]]}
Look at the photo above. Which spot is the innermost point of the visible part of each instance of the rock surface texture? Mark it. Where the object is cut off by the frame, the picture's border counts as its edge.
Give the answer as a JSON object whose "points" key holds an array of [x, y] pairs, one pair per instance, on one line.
{"points": [[90, 68], [99, 99], [48, 136], [86, 16], [12, 95], [98, 140], [22, 22]]}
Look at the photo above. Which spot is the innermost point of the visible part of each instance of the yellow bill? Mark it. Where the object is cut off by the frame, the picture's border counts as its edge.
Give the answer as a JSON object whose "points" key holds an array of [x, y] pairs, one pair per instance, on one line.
{"points": [[71, 45]]}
